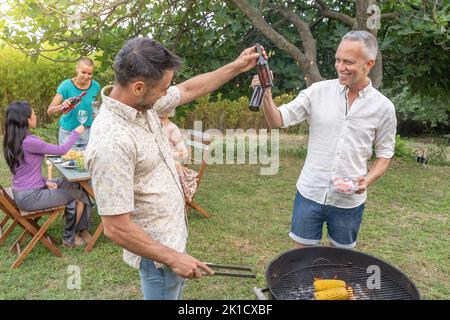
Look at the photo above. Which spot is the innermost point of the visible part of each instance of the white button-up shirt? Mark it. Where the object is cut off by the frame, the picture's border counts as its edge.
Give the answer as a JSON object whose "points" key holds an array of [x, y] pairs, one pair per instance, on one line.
{"points": [[340, 138]]}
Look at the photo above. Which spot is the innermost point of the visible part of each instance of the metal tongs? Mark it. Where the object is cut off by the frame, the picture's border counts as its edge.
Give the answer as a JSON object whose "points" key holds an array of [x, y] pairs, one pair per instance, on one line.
{"points": [[231, 274]]}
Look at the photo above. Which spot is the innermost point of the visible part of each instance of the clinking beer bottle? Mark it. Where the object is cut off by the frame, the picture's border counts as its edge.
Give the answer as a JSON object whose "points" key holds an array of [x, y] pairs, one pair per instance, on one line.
{"points": [[265, 79], [256, 100], [73, 102]]}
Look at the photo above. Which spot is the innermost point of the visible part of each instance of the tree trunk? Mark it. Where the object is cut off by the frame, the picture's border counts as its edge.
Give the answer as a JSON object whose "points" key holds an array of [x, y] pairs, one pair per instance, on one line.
{"points": [[362, 18], [376, 74], [307, 59]]}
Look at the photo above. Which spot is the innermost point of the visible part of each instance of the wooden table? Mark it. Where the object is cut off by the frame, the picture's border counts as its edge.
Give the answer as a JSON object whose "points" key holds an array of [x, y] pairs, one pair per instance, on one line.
{"points": [[83, 178]]}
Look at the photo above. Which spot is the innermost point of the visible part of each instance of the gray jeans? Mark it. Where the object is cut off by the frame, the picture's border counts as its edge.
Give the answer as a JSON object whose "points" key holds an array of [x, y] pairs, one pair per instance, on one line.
{"points": [[65, 195], [82, 140]]}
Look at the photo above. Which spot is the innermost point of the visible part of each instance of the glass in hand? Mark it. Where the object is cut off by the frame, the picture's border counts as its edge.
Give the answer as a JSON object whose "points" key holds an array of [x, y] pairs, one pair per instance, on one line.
{"points": [[82, 116], [347, 185]]}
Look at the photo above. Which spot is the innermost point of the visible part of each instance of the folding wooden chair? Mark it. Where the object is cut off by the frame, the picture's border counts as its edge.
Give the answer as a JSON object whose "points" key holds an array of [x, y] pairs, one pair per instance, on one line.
{"points": [[6, 229], [29, 222], [198, 141]]}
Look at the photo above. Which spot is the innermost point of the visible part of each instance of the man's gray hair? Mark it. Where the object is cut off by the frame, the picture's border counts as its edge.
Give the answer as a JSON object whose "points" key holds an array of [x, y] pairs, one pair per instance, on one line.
{"points": [[367, 39]]}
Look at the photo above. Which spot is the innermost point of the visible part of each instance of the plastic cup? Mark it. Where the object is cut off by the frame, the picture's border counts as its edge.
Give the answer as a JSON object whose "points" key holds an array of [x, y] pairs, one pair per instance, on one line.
{"points": [[345, 185]]}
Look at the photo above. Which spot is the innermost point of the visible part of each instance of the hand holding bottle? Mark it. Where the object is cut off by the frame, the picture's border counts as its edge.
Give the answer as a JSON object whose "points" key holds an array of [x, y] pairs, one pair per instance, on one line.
{"points": [[264, 80], [65, 105], [257, 97], [255, 81], [261, 82], [71, 103], [262, 67]]}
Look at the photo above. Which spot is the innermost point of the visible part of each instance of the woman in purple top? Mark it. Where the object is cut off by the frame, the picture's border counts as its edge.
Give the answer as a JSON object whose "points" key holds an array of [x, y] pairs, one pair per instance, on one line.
{"points": [[24, 154]]}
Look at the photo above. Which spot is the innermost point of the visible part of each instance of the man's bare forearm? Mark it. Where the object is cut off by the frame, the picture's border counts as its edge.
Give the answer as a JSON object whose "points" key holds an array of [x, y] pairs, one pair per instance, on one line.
{"points": [[201, 85], [378, 169], [131, 237], [271, 112]]}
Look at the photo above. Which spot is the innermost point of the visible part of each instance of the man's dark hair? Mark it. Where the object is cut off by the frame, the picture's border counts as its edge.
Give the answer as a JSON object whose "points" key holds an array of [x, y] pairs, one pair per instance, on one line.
{"points": [[143, 59]]}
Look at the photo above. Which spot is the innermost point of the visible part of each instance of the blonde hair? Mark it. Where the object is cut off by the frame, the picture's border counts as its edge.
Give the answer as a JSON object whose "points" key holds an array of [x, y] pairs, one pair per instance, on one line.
{"points": [[87, 61]]}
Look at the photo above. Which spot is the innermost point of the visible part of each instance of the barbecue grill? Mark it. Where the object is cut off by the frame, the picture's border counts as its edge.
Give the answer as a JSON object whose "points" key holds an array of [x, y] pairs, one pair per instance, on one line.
{"points": [[290, 276]]}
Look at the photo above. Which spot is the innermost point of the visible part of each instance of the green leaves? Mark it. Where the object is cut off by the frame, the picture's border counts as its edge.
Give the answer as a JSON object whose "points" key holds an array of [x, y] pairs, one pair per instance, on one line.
{"points": [[208, 34], [34, 80], [429, 110]]}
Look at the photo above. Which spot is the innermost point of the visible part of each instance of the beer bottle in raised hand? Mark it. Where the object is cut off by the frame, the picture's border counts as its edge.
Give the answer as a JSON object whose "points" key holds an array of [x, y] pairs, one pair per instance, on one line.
{"points": [[265, 79]]}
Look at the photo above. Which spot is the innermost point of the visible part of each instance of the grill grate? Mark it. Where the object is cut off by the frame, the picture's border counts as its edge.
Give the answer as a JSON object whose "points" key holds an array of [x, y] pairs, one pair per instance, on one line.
{"points": [[298, 284]]}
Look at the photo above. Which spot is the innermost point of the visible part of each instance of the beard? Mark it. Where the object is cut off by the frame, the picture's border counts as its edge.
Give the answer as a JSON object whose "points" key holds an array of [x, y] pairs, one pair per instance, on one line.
{"points": [[142, 104], [145, 106]]}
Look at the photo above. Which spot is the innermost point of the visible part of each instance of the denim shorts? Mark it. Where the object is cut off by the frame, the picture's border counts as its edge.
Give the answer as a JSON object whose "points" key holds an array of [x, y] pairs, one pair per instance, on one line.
{"points": [[159, 283], [309, 216]]}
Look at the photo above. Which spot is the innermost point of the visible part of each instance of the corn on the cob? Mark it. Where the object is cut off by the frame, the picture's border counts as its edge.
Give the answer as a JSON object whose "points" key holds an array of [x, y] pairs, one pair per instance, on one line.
{"points": [[320, 285], [339, 293], [351, 295]]}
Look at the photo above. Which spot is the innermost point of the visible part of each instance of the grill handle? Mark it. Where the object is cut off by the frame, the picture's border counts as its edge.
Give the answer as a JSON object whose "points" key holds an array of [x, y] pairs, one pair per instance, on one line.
{"points": [[260, 293]]}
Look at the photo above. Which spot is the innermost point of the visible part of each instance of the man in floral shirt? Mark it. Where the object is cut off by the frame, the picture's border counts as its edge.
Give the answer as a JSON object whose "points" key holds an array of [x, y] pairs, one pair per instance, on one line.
{"points": [[135, 182]]}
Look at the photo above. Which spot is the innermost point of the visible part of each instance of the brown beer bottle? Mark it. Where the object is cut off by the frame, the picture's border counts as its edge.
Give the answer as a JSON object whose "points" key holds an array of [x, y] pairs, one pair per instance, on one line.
{"points": [[265, 79], [256, 100]]}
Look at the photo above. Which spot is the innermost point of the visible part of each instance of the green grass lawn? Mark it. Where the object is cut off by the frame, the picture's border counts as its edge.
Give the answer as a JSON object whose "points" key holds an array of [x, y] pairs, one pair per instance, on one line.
{"points": [[405, 223]]}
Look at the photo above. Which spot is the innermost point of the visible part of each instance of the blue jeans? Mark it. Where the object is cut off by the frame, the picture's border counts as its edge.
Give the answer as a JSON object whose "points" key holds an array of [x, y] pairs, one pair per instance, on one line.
{"points": [[309, 216], [159, 283], [81, 142]]}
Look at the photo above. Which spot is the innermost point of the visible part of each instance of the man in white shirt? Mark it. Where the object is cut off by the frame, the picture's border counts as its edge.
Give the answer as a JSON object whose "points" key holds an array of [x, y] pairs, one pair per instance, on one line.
{"points": [[347, 118]]}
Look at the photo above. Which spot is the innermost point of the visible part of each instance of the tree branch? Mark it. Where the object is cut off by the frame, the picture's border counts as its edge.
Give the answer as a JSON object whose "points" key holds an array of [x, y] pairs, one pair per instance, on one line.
{"points": [[68, 42], [389, 15], [306, 60], [326, 12], [313, 24], [280, 41], [183, 20], [308, 41]]}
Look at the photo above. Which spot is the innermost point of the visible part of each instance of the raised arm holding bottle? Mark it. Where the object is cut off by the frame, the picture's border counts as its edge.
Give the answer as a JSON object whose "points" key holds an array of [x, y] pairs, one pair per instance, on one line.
{"points": [[265, 80]]}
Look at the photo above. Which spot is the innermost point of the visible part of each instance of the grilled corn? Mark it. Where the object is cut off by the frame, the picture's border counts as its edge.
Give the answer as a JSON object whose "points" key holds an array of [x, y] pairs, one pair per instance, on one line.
{"points": [[351, 295], [320, 285], [339, 293]]}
